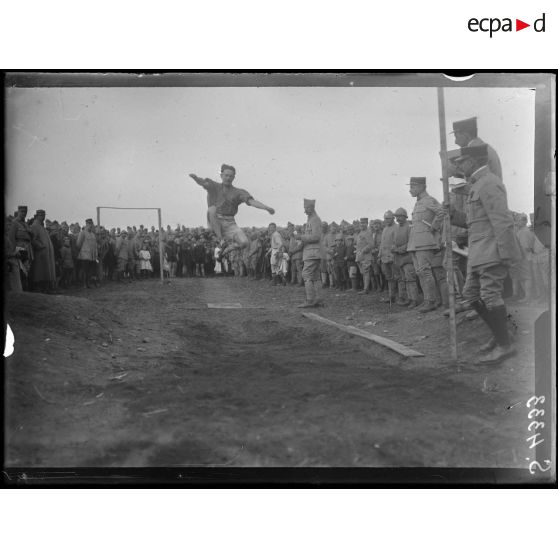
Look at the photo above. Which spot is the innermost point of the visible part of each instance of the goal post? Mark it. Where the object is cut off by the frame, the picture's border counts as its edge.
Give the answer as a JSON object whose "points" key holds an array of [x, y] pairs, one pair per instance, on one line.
{"points": [[160, 227]]}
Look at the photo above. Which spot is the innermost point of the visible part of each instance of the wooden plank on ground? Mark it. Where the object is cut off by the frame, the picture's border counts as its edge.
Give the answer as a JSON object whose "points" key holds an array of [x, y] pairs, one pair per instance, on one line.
{"points": [[390, 344]]}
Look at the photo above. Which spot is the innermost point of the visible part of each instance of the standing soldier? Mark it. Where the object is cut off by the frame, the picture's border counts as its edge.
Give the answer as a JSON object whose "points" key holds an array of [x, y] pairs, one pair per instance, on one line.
{"points": [[311, 254], [465, 132], [21, 236], [323, 254], [423, 241], [364, 245], [329, 242], [88, 252], [43, 273], [403, 263], [376, 276], [386, 255], [493, 247]]}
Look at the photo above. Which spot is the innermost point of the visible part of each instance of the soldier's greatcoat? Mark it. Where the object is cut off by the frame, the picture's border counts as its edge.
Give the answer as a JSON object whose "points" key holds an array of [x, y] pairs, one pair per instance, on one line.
{"points": [[492, 239]]}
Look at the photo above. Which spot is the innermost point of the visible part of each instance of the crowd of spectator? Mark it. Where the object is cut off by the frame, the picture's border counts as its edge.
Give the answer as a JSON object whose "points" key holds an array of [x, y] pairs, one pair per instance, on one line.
{"points": [[363, 256]]}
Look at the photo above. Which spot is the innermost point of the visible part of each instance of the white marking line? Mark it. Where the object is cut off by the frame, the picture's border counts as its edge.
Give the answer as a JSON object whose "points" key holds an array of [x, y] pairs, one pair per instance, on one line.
{"points": [[224, 305], [393, 345]]}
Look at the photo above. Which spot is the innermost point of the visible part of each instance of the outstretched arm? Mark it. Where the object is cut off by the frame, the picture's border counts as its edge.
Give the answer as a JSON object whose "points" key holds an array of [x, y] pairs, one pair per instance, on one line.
{"points": [[260, 205], [198, 180]]}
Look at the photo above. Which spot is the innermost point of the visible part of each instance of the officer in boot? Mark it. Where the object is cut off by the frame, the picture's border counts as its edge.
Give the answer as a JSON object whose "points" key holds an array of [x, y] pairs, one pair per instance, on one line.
{"points": [[493, 247], [423, 242]]}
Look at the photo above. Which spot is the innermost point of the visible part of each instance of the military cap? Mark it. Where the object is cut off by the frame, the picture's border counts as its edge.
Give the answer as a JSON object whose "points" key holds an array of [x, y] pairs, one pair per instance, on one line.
{"points": [[401, 211], [364, 220], [453, 153], [339, 236], [417, 181], [388, 214], [89, 221], [349, 237], [40, 212], [377, 221], [468, 126], [22, 208], [309, 203], [474, 151]]}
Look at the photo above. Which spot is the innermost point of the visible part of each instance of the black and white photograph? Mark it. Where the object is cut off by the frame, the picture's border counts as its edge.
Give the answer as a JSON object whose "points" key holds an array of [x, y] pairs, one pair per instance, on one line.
{"points": [[257, 277]]}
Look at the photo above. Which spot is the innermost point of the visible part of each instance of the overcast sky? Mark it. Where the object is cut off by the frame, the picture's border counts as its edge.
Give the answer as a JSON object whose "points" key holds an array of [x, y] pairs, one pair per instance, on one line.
{"points": [[69, 150]]}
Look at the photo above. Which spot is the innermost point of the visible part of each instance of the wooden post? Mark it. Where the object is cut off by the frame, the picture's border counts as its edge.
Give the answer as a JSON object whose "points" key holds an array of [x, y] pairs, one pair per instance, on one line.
{"points": [[161, 255], [447, 224], [98, 216]]}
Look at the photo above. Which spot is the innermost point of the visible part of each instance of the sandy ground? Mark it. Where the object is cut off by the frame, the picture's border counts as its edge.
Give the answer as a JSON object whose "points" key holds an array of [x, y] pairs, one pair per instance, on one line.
{"points": [[147, 375]]}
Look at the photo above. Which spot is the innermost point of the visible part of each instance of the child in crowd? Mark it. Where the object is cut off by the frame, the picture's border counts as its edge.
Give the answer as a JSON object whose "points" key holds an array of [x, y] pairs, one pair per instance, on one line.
{"points": [[282, 265], [145, 261], [66, 264]]}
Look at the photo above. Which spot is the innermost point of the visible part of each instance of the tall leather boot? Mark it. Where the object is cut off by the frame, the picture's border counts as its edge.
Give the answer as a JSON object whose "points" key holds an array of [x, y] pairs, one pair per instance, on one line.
{"points": [[429, 290], [498, 317], [481, 309]]}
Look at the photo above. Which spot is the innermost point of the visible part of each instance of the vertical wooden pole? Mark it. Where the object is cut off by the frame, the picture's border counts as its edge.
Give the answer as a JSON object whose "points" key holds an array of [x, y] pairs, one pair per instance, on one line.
{"points": [[161, 255], [447, 224], [98, 216]]}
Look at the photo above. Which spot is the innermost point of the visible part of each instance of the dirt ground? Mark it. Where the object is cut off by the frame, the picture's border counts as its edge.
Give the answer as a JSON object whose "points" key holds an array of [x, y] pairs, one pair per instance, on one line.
{"points": [[147, 375]]}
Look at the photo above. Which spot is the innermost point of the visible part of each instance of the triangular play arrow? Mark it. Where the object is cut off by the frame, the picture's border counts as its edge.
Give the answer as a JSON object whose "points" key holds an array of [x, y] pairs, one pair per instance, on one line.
{"points": [[519, 25]]}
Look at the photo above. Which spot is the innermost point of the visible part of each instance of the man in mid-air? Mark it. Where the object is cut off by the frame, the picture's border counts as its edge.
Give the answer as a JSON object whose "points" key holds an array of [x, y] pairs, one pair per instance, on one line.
{"points": [[223, 201]]}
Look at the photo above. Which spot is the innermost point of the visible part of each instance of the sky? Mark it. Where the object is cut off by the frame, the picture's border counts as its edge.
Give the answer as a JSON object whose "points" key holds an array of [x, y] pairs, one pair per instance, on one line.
{"points": [[69, 150]]}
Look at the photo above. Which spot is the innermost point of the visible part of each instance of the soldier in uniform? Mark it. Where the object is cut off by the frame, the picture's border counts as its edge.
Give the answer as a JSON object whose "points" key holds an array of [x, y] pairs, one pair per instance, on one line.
{"points": [[493, 247], [43, 271], [364, 245], [20, 236], [311, 254], [465, 132], [376, 276], [423, 240], [403, 268], [386, 254]]}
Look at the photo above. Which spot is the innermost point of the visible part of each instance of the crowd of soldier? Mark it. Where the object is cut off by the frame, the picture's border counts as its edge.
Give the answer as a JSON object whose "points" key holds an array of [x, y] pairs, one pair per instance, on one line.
{"points": [[364, 256]]}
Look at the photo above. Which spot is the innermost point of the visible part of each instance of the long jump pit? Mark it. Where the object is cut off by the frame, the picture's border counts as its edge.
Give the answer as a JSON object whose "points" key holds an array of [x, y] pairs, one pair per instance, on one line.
{"points": [[222, 372]]}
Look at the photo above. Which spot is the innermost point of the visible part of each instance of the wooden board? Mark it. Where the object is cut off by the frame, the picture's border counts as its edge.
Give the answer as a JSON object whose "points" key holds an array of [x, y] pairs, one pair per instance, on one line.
{"points": [[393, 345]]}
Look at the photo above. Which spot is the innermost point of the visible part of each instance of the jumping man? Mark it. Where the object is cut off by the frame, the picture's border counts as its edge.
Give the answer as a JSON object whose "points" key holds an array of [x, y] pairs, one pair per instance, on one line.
{"points": [[223, 201]]}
